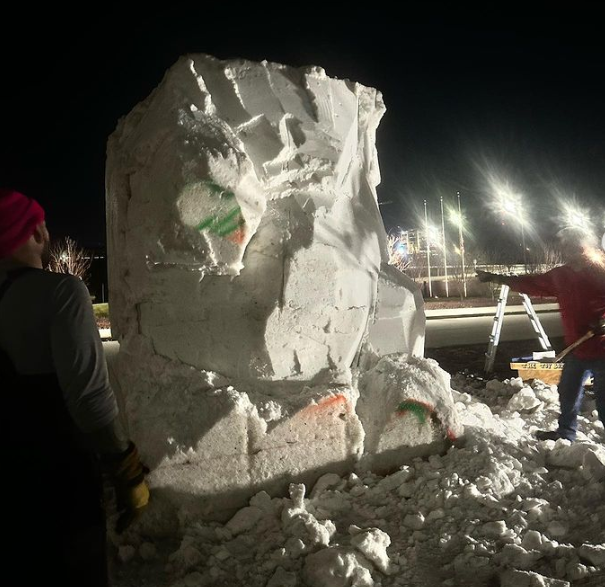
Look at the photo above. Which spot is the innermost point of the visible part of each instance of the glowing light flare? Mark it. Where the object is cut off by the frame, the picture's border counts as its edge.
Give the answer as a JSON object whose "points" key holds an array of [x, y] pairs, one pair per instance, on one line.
{"points": [[433, 234], [504, 196], [509, 206], [507, 201], [514, 209], [572, 216], [455, 217]]}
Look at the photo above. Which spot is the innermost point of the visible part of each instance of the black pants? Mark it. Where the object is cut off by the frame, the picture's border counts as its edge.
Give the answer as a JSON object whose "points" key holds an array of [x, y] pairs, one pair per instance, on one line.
{"points": [[53, 494]]}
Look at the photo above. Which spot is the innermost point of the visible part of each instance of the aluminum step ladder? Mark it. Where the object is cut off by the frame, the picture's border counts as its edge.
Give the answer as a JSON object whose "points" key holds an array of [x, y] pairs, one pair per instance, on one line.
{"points": [[494, 337]]}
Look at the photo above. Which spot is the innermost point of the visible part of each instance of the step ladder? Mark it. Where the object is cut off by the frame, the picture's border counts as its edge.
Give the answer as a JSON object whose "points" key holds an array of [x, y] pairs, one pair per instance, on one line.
{"points": [[494, 337]]}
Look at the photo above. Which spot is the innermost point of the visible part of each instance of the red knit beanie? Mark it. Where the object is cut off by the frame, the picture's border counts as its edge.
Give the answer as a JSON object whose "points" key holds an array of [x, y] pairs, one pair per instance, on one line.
{"points": [[19, 216]]}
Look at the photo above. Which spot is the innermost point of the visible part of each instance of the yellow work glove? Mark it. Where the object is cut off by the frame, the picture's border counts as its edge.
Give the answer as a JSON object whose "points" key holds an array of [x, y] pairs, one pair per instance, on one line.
{"points": [[127, 474]]}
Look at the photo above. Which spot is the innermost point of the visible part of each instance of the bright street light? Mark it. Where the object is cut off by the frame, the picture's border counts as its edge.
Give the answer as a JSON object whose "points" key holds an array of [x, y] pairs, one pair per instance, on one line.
{"points": [[574, 217], [509, 207], [506, 200], [455, 218], [433, 234]]}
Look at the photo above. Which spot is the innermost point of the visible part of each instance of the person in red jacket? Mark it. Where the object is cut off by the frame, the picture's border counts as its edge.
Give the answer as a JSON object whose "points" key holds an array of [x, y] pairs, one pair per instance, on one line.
{"points": [[579, 286]]}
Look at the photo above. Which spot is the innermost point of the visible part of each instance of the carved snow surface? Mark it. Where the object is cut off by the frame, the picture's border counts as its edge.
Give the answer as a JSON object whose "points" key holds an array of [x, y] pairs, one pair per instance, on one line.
{"points": [[248, 277]]}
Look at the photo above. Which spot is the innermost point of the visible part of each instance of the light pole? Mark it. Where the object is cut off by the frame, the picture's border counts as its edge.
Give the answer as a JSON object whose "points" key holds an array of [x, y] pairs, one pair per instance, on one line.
{"points": [[428, 249], [461, 240], [523, 243], [447, 288]]}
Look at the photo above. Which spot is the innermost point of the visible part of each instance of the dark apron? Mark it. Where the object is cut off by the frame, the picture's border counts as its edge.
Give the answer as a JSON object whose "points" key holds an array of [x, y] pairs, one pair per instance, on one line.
{"points": [[52, 485]]}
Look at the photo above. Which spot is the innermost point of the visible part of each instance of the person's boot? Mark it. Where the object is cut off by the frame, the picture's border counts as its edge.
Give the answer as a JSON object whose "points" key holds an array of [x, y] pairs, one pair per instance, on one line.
{"points": [[547, 435]]}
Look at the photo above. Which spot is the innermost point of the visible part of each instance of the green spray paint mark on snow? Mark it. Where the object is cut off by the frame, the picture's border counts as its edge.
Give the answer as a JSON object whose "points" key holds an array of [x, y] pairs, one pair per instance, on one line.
{"points": [[418, 410], [226, 223]]}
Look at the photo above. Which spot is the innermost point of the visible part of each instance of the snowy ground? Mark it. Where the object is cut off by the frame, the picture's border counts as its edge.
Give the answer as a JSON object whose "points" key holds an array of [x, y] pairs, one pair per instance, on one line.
{"points": [[499, 509]]}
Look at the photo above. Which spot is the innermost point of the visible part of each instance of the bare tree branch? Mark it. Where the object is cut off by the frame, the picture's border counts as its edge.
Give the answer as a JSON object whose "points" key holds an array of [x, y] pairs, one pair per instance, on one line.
{"points": [[67, 257]]}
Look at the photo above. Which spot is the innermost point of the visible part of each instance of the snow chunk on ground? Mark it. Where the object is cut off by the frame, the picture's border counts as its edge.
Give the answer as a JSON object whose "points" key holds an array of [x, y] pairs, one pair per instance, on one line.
{"points": [[514, 578], [372, 543], [244, 519], [524, 400], [337, 567], [593, 553]]}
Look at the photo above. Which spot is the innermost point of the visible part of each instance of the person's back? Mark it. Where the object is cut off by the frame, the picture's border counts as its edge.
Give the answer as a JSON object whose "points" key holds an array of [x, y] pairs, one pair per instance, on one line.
{"points": [[59, 417], [47, 326], [26, 315]]}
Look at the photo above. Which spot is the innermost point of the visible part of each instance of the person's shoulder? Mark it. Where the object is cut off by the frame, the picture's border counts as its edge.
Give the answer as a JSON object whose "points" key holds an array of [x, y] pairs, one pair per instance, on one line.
{"points": [[70, 284], [52, 280], [61, 287]]}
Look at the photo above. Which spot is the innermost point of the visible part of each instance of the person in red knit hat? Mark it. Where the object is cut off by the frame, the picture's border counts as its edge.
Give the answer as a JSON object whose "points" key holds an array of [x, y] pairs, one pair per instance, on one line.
{"points": [[60, 418], [579, 286]]}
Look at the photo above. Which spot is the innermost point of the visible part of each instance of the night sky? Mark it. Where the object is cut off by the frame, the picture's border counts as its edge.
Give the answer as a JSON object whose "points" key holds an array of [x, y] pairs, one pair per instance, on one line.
{"points": [[520, 94]]}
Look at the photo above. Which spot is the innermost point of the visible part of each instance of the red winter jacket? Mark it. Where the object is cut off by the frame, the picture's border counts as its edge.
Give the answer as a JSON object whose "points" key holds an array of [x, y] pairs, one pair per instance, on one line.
{"points": [[581, 296]]}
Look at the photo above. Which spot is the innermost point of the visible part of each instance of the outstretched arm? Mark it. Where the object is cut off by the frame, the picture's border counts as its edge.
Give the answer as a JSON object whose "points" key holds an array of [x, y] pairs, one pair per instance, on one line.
{"points": [[540, 284]]}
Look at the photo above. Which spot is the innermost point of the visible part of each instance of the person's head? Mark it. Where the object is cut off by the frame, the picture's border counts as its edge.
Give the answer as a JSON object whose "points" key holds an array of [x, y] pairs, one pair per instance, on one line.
{"points": [[577, 245], [23, 234]]}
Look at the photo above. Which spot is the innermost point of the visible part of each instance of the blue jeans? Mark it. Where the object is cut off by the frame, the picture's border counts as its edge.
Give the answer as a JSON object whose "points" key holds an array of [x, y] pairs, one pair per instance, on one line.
{"points": [[571, 392]]}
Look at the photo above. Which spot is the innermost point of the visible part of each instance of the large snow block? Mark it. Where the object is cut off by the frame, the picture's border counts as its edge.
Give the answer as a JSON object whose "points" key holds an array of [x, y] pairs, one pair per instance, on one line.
{"points": [[247, 268], [244, 233]]}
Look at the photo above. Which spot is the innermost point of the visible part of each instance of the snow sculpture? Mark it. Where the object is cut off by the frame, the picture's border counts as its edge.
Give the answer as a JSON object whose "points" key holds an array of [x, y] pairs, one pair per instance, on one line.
{"points": [[247, 273]]}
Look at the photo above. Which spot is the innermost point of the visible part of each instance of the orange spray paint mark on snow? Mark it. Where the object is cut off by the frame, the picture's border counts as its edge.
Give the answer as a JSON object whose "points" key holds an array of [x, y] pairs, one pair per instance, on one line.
{"points": [[238, 236], [336, 401]]}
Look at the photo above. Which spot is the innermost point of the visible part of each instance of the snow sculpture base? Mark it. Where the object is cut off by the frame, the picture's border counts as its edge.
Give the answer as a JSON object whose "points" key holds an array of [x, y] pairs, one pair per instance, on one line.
{"points": [[211, 447]]}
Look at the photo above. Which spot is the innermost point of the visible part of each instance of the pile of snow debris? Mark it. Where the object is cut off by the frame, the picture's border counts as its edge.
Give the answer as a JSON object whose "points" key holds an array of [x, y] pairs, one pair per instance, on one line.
{"points": [[499, 508]]}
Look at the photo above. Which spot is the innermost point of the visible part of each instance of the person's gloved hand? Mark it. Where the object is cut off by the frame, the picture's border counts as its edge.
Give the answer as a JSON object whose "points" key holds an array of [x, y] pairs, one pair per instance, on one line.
{"points": [[487, 276], [127, 475]]}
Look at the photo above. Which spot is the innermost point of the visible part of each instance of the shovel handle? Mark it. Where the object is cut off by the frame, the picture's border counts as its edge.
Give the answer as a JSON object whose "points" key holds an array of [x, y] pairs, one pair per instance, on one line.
{"points": [[574, 345]]}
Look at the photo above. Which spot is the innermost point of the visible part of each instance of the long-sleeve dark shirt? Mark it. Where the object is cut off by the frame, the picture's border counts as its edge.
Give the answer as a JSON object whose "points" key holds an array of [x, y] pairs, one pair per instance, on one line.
{"points": [[47, 325]]}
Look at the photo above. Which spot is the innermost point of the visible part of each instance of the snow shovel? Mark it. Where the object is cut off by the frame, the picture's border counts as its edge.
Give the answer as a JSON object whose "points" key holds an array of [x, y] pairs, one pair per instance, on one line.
{"points": [[598, 330]]}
